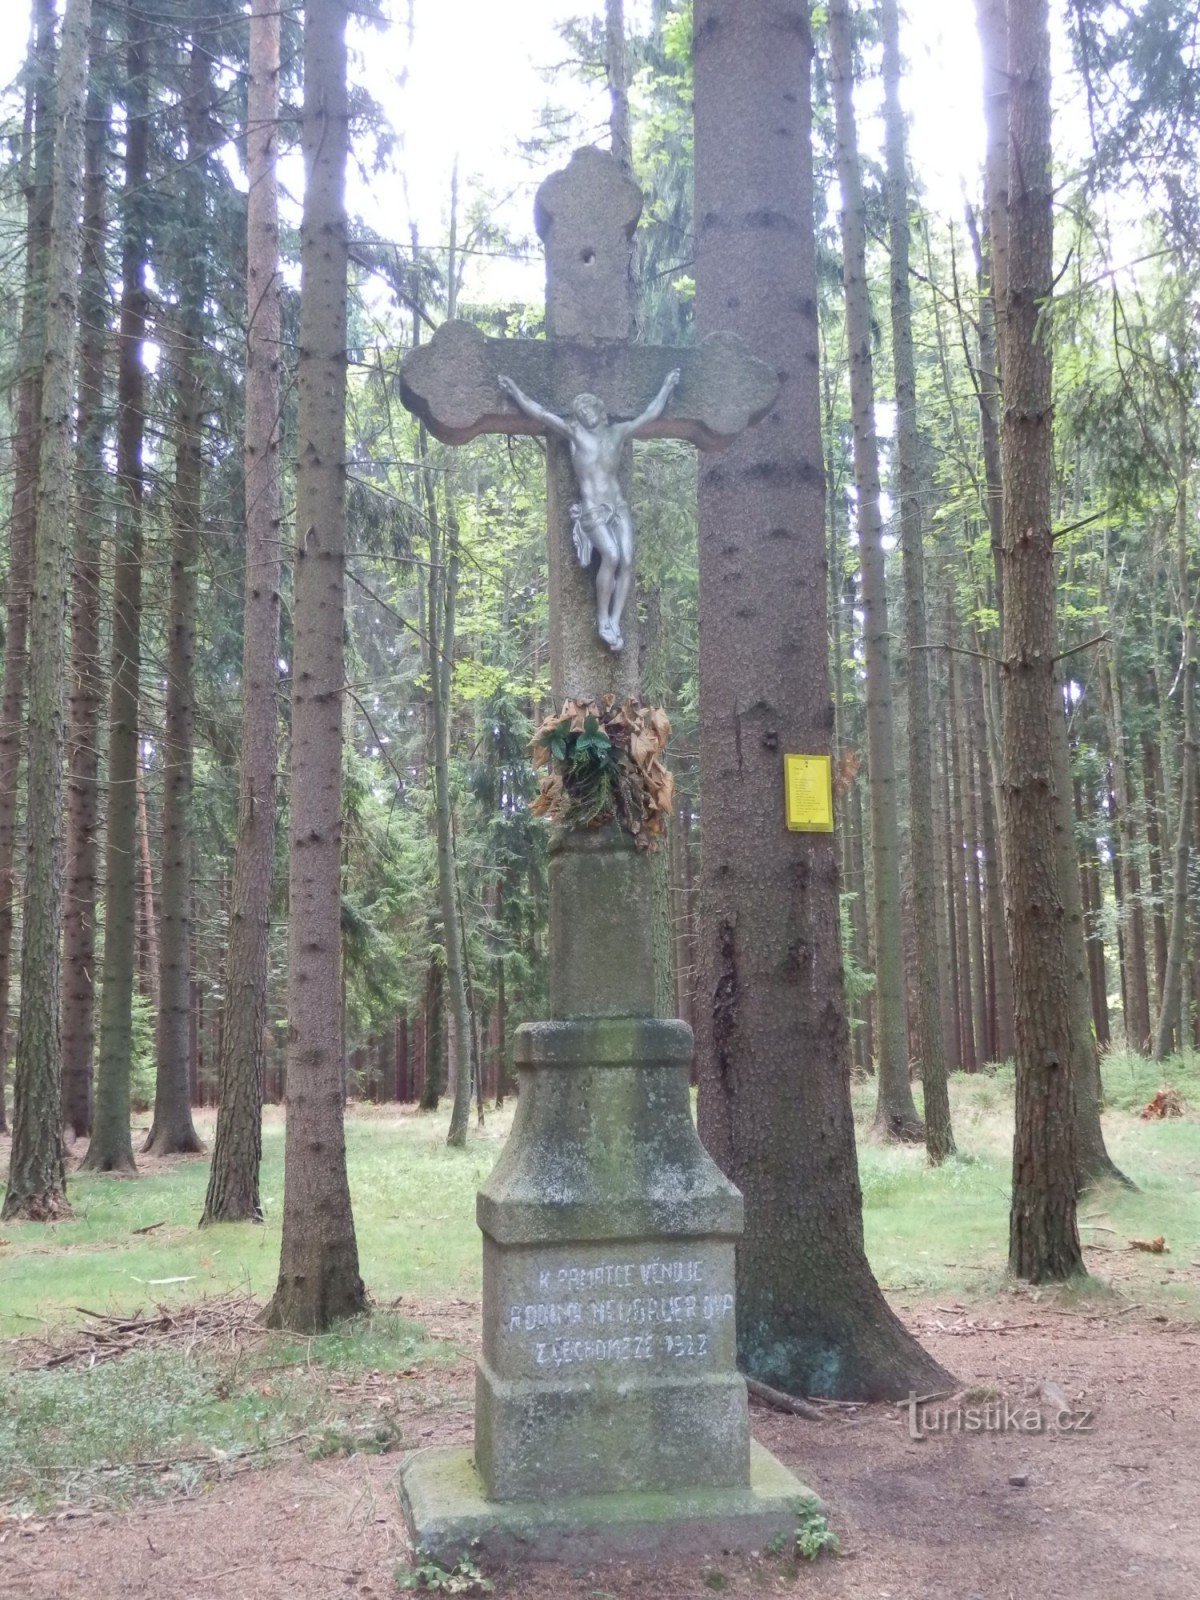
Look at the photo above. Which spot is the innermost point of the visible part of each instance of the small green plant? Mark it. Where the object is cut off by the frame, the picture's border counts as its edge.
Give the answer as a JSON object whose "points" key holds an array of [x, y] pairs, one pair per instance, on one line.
{"points": [[586, 760], [464, 1577], [713, 1578], [814, 1536]]}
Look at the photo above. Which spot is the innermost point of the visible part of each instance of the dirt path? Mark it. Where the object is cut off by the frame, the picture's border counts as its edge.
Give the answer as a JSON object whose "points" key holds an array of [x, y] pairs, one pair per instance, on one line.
{"points": [[1104, 1514]]}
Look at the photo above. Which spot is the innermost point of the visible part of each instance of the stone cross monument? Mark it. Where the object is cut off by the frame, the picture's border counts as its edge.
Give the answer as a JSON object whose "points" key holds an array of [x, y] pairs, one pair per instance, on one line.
{"points": [[610, 1415]]}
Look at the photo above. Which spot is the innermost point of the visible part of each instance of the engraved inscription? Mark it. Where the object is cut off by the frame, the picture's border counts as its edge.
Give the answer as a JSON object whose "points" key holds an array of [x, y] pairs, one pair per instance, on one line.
{"points": [[658, 1308]]}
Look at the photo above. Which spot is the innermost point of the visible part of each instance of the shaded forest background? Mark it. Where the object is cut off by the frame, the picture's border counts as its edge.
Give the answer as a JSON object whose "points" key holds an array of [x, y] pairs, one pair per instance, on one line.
{"points": [[446, 640]]}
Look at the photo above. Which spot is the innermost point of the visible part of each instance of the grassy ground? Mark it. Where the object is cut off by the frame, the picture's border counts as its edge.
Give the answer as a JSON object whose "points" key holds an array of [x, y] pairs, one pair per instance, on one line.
{"points": [[171, 1411]]}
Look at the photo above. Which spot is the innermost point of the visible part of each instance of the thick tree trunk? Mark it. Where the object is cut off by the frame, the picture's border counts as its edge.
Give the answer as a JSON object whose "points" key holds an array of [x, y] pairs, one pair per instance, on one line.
{"points": [[37, 161], [36, 1180], [233, 1194], [172, 1131], [319, 1280], [895, 1113], [1044, 1237], [939, 1135], [111, 1147], [87, 673], [772, 1036]]}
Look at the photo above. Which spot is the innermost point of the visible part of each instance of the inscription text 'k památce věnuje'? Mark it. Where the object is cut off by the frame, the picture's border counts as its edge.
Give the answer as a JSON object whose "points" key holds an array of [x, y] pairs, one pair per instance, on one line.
{"points": [[620, 1311]]}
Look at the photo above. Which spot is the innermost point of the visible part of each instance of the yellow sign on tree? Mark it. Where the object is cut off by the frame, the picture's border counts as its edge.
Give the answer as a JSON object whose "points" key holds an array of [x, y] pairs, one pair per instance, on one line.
{"points": [[808, 786]]}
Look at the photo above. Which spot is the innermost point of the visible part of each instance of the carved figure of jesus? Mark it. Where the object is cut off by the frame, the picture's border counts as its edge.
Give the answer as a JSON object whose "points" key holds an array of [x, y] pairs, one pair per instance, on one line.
{"points": [[600, 519]]}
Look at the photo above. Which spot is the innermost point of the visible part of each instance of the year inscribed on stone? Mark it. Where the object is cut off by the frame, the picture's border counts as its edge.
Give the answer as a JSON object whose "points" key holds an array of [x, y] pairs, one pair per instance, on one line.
{"points": [[808, 787]]}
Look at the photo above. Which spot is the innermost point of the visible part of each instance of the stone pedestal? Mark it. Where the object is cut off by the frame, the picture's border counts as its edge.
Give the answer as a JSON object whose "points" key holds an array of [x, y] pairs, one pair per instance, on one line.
{"points": [[608, 1387]]}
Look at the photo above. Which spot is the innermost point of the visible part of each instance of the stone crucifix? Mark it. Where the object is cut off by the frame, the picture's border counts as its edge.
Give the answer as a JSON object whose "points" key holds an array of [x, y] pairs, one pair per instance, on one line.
{"points": [[609, 1411], [587, 388]]}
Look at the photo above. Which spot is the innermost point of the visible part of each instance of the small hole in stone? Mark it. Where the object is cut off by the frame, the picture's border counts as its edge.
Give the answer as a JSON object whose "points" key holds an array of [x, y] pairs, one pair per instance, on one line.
{"points": [[587, 256]]}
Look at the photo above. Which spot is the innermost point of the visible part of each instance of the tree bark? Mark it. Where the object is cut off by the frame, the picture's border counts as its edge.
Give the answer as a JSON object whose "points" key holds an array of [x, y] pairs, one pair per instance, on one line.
{"points": [[87, 673], [896, 1113], [319, 1280], [1152, 788], [1043, 1234], [772, 1039], [172, 1131], [233, 1193], [939, 1134], [111, 1147], [1092, 1161], [37, 1186], [616, 54], [1169, 1027], [37, 162]]}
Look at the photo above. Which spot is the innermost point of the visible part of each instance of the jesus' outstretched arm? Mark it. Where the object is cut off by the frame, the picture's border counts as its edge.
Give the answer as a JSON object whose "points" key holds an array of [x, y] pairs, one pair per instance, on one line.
{"points": [[532, 409], [656, 407]]}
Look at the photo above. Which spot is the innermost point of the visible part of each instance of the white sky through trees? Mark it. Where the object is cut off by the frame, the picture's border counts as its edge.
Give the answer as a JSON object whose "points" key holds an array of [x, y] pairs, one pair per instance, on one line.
{"points": [[478, 76]]}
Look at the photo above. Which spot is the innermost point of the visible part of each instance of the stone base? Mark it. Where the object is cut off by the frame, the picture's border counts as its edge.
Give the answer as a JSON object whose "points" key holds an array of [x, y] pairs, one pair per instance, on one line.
{"points": [[448, 1516]]}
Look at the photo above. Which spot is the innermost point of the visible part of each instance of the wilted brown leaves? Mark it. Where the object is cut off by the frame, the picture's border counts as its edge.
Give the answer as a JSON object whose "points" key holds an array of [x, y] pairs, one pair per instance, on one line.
{"points": [[644, 790]]}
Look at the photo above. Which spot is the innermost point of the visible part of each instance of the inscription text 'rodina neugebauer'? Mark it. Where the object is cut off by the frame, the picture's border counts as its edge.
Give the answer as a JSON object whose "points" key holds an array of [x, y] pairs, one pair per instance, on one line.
{"points": [[591, 1328]]}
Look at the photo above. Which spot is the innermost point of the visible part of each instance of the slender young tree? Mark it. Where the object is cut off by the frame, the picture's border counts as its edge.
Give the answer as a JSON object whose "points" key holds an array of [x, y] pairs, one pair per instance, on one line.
{"points": [[36, 1181], [111, 1147], [37, 158], [773, 1044], [319, 1280], [1169, 1025], [939, 1135], [237, 1149], [896, 1114], [1044, 1236], [86, 676], [172, 1131], [616, 55]]}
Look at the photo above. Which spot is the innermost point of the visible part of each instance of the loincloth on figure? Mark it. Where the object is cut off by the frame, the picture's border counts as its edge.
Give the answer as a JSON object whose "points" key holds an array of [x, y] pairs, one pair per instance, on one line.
{"points": [[586, 521]]}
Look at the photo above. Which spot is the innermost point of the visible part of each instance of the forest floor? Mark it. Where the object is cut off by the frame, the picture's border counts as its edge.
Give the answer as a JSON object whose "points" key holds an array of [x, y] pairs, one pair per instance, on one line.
{"points": [[155, 1442]]}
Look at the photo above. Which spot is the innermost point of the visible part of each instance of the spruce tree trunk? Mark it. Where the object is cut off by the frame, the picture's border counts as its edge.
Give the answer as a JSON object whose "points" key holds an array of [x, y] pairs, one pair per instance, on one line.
{"points": [[1092, 1161], [895, 1111], [1153, 789], [1138, 1026], [1169, 1027], [233, 1194], [172, 1131], [434, 1084], [36, 1180], [939, 1135], [772, 1038], [960, 858], [37, 162], [441, 679], [616, 55], [86, 690], [319, 1280], [1043, 1237], [145, 911], [111, 1147]]}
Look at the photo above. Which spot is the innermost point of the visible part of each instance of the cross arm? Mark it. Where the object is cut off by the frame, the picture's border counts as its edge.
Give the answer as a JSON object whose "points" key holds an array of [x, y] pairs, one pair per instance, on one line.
{"points": [[453, 384]]}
